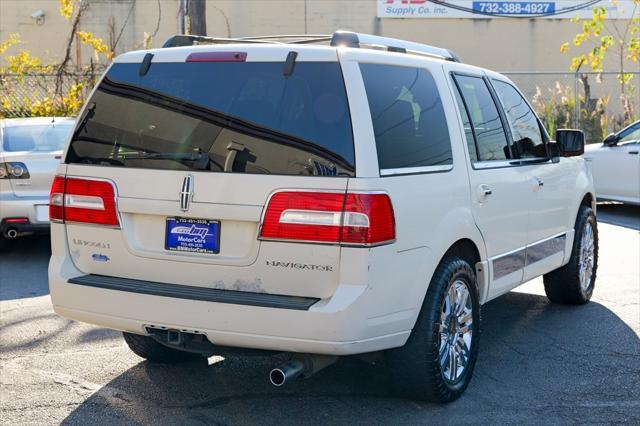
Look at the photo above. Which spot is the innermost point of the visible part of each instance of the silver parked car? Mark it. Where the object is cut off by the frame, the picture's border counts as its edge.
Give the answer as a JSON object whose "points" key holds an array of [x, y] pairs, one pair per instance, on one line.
{"points": [[615, 165], [30, 150]]}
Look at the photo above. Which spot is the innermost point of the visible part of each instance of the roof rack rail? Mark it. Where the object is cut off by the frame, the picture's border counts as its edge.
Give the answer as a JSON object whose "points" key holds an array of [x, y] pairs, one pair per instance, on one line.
{"points": [[179, 40], [351, 39], [293, 38], [339, 38]]}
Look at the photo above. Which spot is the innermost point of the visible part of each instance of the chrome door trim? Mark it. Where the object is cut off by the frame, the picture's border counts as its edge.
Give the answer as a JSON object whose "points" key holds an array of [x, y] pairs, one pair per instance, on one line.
{"points": [[493, 164], [545, 248], [509, 263], [416, 170], [520, 258]]}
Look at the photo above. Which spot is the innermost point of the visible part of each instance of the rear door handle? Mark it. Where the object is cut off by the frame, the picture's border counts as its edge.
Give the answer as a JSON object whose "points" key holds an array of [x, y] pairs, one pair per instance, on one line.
{"points": [[484, 191], [633, 152], [537, 183]]}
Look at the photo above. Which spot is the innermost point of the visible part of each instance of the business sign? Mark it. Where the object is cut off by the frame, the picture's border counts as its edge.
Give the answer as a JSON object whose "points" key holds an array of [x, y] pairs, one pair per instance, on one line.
{"points": [[480, 9]]}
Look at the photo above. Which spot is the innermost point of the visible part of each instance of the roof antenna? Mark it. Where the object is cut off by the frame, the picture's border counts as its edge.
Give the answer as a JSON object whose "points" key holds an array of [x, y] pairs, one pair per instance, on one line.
{"points": [[290, 63], [146, 63]]}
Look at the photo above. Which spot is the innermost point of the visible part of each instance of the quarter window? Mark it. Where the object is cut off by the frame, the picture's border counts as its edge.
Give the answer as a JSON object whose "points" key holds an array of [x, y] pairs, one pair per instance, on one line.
{"points": [[524, 125], [468, 130], [491, 140], [408, 117]]}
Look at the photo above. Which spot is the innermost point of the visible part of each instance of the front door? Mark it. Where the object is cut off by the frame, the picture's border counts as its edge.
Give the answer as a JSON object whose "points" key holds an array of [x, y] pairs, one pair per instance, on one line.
{"points": [[550, 183], [616, 170]]}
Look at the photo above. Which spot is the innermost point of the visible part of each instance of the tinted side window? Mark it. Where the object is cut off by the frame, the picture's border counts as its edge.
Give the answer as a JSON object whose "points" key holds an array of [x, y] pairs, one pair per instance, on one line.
{"points": [[408, 118], [491, 138], [630, 136], [468, 130], [527, 138]]}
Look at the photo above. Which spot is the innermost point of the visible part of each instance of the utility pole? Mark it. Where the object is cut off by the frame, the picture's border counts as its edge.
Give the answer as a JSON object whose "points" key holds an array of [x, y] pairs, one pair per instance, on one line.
{"points": [[182, 16], [197, 13]]}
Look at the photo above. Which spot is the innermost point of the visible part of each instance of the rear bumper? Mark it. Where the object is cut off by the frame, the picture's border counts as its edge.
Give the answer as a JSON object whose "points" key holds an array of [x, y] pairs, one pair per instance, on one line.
{"points": [[24, 228], [23, 207], [340, 325]]}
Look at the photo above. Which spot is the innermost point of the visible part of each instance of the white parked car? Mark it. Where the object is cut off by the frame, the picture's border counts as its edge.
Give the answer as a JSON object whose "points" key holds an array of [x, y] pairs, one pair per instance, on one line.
{"points": [[30, 151], [615, 165], [315, 200]]}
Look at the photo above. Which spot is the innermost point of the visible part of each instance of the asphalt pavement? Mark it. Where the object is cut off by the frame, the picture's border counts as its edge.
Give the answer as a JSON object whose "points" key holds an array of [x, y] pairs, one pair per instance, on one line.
{"points": [[538, 362]]}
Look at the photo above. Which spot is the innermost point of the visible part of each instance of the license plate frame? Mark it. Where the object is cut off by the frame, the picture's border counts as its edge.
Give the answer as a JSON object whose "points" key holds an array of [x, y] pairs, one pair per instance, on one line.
{"points": [[192, 235]]}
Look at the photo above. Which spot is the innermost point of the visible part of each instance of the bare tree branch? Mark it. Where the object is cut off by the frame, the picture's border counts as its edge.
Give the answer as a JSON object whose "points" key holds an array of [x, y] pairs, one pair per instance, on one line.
{"points": [[62, 68]]}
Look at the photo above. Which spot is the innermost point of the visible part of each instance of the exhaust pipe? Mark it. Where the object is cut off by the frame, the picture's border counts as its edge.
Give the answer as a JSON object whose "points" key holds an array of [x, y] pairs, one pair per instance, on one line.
{"points": [[286, 372], [299, 365], [11, 233]]}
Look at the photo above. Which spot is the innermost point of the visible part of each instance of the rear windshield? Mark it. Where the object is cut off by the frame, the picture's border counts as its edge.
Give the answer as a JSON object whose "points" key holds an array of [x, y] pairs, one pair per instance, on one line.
{"points": [[38, 138], [242, 117]]}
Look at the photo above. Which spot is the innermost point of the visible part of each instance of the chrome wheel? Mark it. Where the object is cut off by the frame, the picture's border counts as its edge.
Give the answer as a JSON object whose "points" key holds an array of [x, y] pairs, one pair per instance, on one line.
{"points": [[586, 260], [456, 331]]}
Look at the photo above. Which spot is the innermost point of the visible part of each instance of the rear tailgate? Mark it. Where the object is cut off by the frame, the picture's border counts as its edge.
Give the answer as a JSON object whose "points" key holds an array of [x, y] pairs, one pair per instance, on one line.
{"points": [[138, 249], [193, 145]]}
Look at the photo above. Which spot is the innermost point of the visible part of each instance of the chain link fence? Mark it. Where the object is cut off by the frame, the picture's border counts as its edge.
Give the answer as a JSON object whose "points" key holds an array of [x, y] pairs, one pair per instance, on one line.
{"points": [[26, 95], [603, 104]]}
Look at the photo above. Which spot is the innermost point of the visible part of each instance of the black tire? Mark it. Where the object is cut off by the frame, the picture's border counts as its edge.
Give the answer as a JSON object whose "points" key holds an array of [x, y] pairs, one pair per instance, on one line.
{"points": [[148, 348], [564, 284], [415, 368]]}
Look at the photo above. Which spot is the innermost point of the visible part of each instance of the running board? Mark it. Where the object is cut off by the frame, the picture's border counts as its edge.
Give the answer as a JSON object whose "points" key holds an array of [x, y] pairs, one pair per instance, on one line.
{"points": [[196, 293]]}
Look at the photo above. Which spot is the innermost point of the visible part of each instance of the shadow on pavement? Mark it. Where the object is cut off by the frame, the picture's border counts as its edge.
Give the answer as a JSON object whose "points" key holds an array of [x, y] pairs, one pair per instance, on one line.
{"points": [[23, 268], [536, 359], [618, 214]]}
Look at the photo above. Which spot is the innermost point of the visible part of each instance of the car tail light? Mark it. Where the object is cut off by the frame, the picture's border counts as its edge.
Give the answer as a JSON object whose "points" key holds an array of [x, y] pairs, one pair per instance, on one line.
{"points": [[83, 201], [364, 219], [16, 220], [14, 170]]}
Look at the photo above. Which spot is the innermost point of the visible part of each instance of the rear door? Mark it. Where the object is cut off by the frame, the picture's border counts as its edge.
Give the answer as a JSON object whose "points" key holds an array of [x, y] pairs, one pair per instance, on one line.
{"points": [[198, 144], [499, 197]]}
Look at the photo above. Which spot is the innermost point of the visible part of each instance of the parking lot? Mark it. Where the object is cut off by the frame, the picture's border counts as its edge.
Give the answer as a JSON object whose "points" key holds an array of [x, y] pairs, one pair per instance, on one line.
{"points": [[538, 362]]}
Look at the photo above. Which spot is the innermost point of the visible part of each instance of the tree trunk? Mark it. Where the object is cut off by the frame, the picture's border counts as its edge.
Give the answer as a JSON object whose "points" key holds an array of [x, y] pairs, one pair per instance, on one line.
{"points": [[197, 13]]}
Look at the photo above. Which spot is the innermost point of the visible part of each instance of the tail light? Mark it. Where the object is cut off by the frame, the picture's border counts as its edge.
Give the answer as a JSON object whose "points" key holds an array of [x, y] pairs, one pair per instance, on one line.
{"points": [[83, 201], [363, 219], [14, 170]]}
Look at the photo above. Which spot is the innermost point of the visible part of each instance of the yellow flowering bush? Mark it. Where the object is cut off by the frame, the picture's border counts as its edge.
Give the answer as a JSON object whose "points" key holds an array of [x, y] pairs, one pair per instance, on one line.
{"points": [[96, 43], [66, 8], [29, 87]]}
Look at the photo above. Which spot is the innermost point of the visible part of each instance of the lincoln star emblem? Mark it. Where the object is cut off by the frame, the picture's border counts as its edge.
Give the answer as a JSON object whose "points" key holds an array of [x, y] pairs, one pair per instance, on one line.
{"points": [[186, 194]]}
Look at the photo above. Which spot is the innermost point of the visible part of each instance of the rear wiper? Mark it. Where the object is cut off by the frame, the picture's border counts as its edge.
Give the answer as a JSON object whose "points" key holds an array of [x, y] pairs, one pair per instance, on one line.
{"points": [[201, 160], [188, 156]]}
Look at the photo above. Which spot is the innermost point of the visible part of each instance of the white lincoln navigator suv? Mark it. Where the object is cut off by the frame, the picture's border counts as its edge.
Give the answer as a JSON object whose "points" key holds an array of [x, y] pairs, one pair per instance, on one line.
{"points": [[314, 196]]}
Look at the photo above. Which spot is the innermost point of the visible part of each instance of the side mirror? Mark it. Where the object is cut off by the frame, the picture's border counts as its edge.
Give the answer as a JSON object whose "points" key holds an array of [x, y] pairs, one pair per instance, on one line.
{"points": [[570, 143], [610, 140]]}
